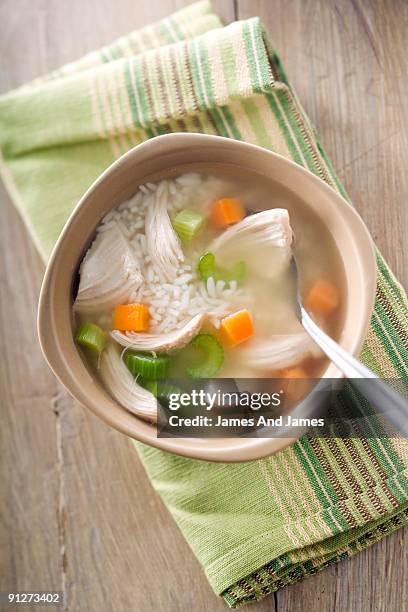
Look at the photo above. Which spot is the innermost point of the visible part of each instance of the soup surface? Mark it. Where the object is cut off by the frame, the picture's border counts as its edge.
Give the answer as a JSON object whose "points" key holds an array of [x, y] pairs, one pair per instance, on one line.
{"points": [[191, 277]]}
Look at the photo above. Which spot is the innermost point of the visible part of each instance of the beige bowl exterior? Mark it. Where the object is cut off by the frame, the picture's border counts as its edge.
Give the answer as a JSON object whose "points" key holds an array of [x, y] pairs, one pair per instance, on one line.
{"points": [[149, 161]]}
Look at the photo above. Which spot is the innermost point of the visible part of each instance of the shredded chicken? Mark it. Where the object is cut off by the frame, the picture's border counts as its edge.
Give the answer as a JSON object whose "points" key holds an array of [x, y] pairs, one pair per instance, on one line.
{"points": [[163, 245], [263, 240], [121, 384], [109, 273], [280, 351], [160, 342], [270, 227]]}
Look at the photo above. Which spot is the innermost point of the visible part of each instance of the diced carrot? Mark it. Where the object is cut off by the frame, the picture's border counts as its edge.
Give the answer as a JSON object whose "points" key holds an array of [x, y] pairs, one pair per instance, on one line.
{"points": [[323, 298], [296, 385], [295, 372], [227, 211], [312, 366], [237, 327], [131, 317]]}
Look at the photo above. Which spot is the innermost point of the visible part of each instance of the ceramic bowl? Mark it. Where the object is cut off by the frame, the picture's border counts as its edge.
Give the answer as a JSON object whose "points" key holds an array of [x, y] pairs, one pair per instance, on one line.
{"points": [[169, 155]]}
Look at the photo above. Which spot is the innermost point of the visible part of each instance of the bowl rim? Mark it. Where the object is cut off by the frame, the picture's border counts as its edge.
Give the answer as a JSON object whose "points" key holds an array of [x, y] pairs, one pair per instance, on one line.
{"points": [[255, 448]]}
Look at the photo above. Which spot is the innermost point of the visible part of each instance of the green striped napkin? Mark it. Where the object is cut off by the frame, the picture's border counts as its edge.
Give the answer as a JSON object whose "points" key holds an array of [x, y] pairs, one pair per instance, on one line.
{"points": [[258, 526]]}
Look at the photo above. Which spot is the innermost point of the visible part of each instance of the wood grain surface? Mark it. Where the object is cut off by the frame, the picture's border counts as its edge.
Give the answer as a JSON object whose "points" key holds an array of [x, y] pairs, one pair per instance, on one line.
{"points": [[77, 513]]}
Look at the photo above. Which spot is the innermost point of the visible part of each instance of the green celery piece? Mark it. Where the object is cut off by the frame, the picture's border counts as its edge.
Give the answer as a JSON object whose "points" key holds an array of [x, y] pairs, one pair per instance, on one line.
{"points": [[91, 337], [147, 366], [160, 389], [149, 385], [238, 272], [187, 224], [211, 356], [207, 267]]}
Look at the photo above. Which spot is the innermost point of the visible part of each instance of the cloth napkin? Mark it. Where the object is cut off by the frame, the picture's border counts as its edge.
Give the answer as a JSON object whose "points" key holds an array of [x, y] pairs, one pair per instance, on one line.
{"points": [[257, 526]]}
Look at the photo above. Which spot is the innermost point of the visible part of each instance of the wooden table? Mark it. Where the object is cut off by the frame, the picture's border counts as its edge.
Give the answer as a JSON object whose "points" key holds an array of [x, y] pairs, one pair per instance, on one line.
{"points": [[77, 512]]}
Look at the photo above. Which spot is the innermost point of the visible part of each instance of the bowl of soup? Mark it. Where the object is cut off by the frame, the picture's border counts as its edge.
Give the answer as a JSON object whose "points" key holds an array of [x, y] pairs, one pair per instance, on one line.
{"points": [[176, 260]]}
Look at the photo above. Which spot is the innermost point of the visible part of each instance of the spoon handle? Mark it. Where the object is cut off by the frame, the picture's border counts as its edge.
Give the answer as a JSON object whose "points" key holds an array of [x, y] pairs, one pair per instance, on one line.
{"points": [[376, 390]]}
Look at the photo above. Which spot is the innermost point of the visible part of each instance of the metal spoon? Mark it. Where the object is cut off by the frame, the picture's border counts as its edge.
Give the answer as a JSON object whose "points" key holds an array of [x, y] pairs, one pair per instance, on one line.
{"points": [[375, 389]]}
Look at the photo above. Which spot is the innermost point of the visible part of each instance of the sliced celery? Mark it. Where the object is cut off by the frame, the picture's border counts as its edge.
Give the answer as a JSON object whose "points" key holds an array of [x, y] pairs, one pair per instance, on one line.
{"points": [[207, 267], [165, 391], [187, 224], [210, 356], [91, 337], [150, 385], [147, 366], [237, 272], [160, 389]]}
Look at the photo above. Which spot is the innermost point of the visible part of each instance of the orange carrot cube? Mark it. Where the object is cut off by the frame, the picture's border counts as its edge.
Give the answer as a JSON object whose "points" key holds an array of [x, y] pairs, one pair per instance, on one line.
{"points": [[237, 327], [295, 372], [227, 211], [131, 317], [323, 298], [296, 385]]}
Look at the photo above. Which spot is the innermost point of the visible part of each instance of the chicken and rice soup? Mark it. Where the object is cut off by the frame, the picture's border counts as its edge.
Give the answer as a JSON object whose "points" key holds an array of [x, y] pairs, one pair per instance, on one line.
{"points": [[190, 277]]}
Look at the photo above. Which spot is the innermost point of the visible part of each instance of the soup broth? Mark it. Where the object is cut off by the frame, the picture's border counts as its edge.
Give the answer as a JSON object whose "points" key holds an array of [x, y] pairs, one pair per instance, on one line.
{"points": [[194, 269]]}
